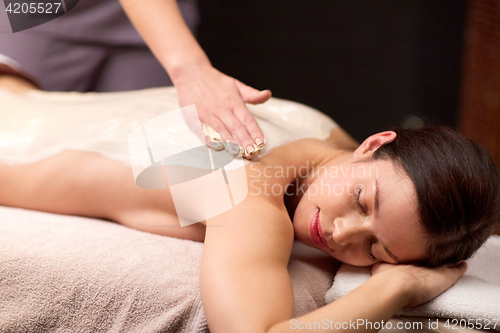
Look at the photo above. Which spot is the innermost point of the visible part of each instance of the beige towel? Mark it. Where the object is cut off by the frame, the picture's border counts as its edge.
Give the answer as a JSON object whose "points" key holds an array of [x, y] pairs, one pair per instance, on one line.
{"points": [[72, 274]]}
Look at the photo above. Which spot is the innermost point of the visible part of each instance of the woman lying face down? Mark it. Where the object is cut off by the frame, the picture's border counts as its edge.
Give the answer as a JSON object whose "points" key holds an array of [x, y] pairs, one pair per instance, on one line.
{"points": [[401, 200]]}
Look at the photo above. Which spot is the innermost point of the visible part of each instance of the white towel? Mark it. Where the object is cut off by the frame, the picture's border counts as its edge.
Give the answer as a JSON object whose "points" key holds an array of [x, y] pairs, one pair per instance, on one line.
{"points": [[475, 296]]}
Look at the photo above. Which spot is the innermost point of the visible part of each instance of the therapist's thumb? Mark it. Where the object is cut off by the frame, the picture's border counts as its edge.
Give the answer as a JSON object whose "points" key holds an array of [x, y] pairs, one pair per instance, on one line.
{"points": [[252, 95]]}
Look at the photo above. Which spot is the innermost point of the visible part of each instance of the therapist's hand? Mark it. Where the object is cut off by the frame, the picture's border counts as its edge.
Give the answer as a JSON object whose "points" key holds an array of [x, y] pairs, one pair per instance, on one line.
{"points": [[219, 98], [220, 102]]}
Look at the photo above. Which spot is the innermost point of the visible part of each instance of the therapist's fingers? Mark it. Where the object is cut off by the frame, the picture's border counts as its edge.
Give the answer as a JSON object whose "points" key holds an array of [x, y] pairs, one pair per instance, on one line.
{"points": [[220, 102], [252, 95], [256, 137], [220, 128], [239, 130]]}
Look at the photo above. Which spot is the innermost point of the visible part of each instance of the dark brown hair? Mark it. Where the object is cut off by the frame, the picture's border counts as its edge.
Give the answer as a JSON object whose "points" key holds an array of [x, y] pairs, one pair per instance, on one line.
{"points": [[457, 187]]}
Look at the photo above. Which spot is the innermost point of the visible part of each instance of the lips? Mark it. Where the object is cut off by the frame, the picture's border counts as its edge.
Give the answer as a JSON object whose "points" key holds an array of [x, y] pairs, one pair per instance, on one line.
{"points": [[316, 232]]}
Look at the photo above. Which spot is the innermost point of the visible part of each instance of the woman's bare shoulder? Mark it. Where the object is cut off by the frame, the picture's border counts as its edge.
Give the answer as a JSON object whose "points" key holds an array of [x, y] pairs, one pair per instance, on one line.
{"points": [[255, 227], [306, 151], [340, 139]]}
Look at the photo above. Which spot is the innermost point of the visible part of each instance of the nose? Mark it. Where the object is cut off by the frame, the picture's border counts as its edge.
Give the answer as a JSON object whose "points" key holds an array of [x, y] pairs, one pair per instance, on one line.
{"points": [[349, 230]]}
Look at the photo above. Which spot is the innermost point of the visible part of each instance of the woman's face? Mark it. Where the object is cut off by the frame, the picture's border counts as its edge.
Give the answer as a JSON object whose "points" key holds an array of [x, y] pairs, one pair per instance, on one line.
{"points": [[361, 213]]}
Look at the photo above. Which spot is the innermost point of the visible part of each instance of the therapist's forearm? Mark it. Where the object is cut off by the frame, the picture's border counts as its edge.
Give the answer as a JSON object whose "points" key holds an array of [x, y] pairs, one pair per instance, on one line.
{"points": [[162, 26]]}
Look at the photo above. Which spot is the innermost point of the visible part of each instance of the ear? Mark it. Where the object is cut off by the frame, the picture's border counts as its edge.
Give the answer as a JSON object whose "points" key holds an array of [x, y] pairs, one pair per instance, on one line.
{"points": [[372, 143]]}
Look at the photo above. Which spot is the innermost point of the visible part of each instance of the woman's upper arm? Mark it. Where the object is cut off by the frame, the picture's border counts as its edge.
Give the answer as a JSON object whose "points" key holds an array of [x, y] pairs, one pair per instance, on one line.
{"points": [[244, 280]]}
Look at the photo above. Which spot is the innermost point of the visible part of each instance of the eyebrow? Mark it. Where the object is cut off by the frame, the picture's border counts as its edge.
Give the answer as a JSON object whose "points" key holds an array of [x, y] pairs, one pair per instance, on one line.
{"points": [[376, 203], [376, 207], [390, 253]]}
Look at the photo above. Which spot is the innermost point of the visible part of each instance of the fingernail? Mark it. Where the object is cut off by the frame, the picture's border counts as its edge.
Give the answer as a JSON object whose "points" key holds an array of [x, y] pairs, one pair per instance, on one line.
{"points": [[216, 145], [232, 147], [250, 149], [259, 143]]}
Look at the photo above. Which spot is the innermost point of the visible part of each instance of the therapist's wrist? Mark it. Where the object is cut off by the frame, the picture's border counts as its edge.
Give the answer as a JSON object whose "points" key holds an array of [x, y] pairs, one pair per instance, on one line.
{"points": [[183, 69]]}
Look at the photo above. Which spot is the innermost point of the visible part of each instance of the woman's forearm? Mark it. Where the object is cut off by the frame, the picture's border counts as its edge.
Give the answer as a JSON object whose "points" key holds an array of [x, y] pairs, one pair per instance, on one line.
{"points": [[161, 25], [375, 301]]}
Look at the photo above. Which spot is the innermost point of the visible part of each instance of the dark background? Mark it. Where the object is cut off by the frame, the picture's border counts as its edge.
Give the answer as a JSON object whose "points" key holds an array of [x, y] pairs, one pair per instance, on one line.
{"points": [[369, 64]]}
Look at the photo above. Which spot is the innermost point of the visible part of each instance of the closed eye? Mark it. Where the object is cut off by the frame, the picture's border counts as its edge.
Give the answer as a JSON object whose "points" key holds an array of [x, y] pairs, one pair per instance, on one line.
{"points": [[369, 250], [357, 195]]}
